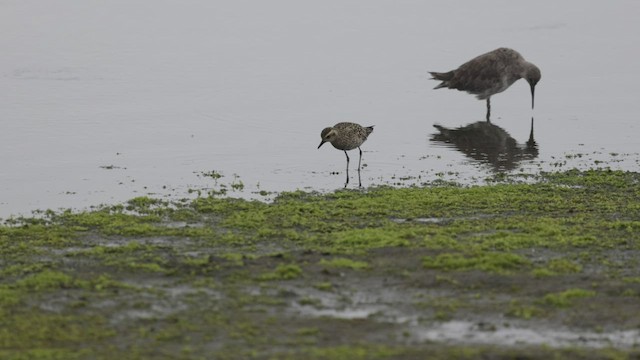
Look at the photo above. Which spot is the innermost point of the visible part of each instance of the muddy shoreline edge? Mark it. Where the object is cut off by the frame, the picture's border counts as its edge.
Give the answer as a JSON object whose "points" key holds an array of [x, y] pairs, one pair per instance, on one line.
{"points": [[536, 269]]}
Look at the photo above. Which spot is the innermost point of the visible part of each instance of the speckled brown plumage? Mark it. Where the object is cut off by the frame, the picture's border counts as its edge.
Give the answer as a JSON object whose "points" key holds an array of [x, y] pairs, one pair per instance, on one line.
{"points": [[346, 136]]}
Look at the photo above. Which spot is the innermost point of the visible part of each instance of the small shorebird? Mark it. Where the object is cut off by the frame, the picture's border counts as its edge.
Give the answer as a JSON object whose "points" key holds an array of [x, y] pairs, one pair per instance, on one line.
{"points": [[489, 74], [346, 136]]}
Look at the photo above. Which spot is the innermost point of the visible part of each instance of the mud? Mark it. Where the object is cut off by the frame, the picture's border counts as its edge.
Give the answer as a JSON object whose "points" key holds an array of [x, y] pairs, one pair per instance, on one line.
{"points": [[533, 271]]}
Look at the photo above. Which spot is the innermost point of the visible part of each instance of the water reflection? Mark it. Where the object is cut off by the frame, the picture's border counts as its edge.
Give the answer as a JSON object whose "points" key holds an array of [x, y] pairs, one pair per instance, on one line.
{"points": [[488, 143]]}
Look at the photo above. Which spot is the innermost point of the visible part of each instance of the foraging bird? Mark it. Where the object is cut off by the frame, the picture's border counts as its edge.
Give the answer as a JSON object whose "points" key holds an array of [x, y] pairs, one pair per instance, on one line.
{"points": [[346, 136], [489, 74]]}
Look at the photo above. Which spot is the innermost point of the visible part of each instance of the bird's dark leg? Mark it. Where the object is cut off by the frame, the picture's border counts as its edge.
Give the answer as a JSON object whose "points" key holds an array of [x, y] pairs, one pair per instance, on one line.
{"points": [[347, 182], [488, 109], [359, 161]]}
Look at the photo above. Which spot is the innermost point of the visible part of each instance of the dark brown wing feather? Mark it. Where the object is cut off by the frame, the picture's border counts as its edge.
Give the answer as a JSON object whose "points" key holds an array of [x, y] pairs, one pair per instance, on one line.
{"points": [[478, 74]]}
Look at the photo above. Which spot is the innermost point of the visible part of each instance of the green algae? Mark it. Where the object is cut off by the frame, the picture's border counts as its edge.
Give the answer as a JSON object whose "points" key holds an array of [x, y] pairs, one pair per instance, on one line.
{"points": [[345, 263], [567, 297], [495, 262], [282, 272], [523, 311], [219, 277], [51, 334], [323, 286], [351, 353], [558, 267], [46, 280]]}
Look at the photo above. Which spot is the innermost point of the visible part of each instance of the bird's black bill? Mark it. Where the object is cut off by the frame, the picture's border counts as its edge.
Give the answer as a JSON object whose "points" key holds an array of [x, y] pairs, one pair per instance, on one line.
{"points": [[533, 91], [322, 142]]}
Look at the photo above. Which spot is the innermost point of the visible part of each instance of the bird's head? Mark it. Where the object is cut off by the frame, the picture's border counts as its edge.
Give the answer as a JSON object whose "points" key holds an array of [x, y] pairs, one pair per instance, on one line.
{"points": [[532, 75], [327, 135]]}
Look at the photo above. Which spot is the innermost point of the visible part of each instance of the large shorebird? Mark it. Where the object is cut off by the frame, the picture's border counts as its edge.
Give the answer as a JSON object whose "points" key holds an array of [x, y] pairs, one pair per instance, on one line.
{"points": [[346, 136], [489, 74]]}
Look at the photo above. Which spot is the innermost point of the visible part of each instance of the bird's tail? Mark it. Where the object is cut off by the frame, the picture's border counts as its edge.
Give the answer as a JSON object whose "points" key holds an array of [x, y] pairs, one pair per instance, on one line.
{"points": [[443, 130], [444, 77]]}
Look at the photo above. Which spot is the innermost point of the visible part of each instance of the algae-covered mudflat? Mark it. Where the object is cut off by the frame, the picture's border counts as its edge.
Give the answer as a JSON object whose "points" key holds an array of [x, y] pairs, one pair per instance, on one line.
{"points": [[542, 268]]}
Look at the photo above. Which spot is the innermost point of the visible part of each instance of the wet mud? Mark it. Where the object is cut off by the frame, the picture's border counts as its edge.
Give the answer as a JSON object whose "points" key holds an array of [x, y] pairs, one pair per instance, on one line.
{"points": [[531, 270]]}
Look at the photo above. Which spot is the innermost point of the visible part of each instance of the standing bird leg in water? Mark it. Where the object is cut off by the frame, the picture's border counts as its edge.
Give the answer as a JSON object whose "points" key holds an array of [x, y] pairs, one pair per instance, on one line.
{"points": [[490, 74], [347, 155], [359, 161], [346, 136]]}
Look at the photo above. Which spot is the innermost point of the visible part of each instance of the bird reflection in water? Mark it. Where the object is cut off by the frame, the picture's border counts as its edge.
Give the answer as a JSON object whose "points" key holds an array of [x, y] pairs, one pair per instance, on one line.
{"points": [[488, 143]]}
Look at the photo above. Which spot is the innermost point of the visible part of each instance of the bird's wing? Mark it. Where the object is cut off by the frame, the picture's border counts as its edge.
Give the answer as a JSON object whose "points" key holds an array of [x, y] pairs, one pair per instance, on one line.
{"points": [[477, 74]]}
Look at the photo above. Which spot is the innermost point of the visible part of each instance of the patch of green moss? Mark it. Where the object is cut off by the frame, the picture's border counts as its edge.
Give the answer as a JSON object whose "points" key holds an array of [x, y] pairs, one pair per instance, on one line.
{"points": [[144, 204], [39, 330], [356, 240], [443, 308], [47, 280], [23, 269], [308, 331], [29, 237], [518, 310], [226, 206], [108, 220], [282, 272], [558, 267], [9, 297], [630, 293], [323, 286], [485, 261], [45, 354], [565, 298], [309, 301], [133, 255], [104, 282], [146, 266], [347, 352], [606, 179]]}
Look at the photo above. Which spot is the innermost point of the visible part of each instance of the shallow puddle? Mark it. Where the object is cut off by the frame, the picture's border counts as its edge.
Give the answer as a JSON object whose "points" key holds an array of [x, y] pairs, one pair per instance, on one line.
{"points": [[463, 332]]}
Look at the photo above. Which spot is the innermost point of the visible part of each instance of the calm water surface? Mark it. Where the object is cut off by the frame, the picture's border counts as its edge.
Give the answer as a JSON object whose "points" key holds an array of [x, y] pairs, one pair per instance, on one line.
{"points": [[104, 101]]}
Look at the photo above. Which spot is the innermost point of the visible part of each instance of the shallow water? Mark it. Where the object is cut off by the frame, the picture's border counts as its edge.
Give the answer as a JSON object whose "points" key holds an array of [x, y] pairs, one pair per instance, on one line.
{"points": [[470, 333], [102, 102]]}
